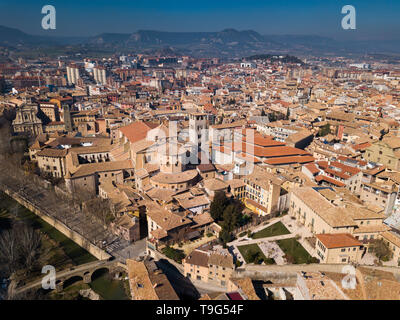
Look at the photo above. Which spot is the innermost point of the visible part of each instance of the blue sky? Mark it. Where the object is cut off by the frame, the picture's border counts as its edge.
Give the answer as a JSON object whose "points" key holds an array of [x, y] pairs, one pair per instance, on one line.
{"points": [[375, 19]]}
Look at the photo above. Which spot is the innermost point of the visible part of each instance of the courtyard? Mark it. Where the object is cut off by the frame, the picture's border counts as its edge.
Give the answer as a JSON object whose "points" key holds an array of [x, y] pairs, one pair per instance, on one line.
{"points": [[294, 251], [252, 253], [276, 229]]}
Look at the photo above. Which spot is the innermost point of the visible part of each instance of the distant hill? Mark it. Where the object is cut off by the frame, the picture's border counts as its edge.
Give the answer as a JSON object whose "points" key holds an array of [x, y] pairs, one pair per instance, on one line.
{"points": [[13, 36], [229, 43]]}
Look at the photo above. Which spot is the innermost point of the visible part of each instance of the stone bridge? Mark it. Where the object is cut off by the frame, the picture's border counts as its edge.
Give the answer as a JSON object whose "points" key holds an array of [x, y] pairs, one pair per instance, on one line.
{"points": [[83, 271]]}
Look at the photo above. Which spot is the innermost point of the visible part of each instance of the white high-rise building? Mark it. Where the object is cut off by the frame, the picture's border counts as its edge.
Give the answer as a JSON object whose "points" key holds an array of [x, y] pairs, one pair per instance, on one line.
{"points": [[72, 74], [99, 74]]}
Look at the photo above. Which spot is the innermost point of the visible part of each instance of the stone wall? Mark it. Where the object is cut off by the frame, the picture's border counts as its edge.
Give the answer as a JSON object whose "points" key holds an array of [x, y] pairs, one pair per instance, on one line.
{"points": [[73, 235]]}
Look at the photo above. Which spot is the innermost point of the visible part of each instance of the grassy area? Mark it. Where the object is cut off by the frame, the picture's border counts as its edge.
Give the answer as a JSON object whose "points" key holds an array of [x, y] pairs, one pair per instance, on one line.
{"points": [[294, 251], [277, 229], [252, 254], [174, 254]]}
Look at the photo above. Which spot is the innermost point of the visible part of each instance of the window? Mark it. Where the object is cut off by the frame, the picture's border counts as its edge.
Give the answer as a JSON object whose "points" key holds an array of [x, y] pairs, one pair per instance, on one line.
{"points": [[343, 250]]}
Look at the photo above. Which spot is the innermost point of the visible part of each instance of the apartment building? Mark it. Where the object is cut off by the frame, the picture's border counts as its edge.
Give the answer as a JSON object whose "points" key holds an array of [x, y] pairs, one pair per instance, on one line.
{"points": [[89, 176], [382, 194], [322, 211], [50, 109], [100, 75], [262, 191], [338, 248], [385, 151], [209, 265], [52, 162], [73, 74], [163, 226], [342, 174]]}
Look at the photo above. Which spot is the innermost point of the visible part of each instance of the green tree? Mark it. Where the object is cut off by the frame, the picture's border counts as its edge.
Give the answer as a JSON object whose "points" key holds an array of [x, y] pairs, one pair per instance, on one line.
{"points": [[230, 218], [218, 206], [225, 236], [174, 254], [272, 117], [324, 130], [381, 250]]}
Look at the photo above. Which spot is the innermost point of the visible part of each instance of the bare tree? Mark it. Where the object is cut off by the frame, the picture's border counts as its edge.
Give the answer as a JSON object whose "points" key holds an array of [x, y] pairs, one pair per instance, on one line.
{"points": [[101, 209], [9, 251], [29, 241]]}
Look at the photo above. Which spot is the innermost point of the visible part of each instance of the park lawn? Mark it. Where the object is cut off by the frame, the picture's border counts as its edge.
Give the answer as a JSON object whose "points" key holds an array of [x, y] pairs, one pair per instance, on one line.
{"points": [[277, 229], [248, 252], [294, 251]]}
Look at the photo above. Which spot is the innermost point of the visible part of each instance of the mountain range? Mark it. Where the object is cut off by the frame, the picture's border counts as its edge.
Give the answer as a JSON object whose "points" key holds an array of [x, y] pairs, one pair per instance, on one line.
{"points": [[226, 43]]}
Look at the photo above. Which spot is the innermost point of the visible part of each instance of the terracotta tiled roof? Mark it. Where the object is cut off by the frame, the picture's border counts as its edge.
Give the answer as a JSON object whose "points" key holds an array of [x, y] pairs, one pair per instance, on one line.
{"points": [[138, 130], [338, 240], [148, 283], [52, 152], [289, 160], [337, 183], [197, 258]]}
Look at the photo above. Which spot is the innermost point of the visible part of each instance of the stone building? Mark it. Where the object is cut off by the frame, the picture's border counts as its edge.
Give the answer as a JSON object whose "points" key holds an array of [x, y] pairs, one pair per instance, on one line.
{"points": [[27, 121]]}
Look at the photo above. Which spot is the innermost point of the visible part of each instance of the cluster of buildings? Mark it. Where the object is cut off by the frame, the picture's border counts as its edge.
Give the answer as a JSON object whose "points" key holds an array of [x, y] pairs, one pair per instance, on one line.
{"points": [[160, 136]]}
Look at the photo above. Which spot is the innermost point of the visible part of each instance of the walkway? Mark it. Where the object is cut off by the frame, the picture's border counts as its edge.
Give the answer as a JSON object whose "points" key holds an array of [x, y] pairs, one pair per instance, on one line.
{"points": [[296, 231], [314, 267], [251, 241]]}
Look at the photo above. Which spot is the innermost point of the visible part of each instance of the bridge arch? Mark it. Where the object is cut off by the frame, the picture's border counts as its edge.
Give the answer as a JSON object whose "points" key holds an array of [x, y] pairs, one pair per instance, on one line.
{"points": [[71, 280], [99, 271]]}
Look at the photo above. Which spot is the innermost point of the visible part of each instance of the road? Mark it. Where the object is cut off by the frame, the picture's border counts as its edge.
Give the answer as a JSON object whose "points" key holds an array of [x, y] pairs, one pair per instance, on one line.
{"points": [[130, 250]]}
